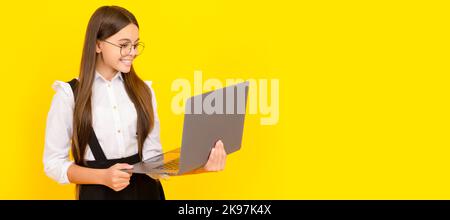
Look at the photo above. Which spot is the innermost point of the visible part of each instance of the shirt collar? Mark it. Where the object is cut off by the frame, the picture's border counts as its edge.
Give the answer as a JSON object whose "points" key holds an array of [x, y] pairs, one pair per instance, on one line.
{"points": [[117, 76]]}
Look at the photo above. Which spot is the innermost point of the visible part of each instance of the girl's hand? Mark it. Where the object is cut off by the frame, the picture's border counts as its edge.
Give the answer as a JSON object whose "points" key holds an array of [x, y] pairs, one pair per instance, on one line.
{"points": [[115, 178], [217, 158]]}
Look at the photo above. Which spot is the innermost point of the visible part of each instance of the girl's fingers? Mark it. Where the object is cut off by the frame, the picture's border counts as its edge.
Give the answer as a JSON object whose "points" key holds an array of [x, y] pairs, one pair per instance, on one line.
{"points": [[217, 157], [122, 186], [215, 160], [220, 160], [221, 154], [212, 156], [122, 183], [123, 166], [220, 165], [209, 162], [123, 174]]}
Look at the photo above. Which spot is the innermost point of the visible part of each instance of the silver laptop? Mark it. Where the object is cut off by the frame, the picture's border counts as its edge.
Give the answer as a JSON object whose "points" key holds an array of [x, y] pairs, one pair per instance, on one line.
{"points": [[212, 116]]}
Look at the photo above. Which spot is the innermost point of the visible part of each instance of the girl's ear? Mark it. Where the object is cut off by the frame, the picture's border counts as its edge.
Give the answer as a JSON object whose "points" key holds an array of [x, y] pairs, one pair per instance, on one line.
{"points": [[97, 47]]}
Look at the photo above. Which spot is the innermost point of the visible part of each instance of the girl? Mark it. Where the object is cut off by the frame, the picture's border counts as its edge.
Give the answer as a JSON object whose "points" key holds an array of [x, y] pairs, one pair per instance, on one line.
{"points": [[108, 117]]}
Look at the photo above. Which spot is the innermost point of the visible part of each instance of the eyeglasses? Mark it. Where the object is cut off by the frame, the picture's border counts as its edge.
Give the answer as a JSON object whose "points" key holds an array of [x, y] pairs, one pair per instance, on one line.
{"points": [[125, 49]]}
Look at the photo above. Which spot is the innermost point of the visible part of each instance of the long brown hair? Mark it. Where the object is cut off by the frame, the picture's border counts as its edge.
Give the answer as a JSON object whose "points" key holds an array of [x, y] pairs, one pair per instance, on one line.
{"points": [[105, 22]]}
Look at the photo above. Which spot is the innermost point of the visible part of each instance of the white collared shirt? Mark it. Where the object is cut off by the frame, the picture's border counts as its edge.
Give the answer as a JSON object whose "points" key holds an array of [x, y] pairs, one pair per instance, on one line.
{"points": [[114, 120]]}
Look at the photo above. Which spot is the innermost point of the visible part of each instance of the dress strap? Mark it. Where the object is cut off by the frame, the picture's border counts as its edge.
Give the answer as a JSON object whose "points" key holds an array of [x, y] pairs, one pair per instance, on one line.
{"points": [[96, 149]]}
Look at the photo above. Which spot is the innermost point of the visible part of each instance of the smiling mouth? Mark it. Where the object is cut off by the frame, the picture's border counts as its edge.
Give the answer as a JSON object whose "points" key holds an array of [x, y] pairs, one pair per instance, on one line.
{"points": [[126, 62]]}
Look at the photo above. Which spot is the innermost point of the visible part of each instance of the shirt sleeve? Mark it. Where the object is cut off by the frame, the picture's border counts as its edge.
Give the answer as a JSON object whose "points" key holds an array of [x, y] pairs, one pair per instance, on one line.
{"points": [[58, 133], [152, 144]]}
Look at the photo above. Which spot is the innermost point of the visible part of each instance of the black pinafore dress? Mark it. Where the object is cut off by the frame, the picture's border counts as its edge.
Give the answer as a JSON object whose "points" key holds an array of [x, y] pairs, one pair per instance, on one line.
{"points": [[141, 186]]}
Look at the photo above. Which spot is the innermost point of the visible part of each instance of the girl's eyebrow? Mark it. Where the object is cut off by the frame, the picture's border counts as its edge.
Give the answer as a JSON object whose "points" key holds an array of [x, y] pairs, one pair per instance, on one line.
{"points": [[127, 39]]}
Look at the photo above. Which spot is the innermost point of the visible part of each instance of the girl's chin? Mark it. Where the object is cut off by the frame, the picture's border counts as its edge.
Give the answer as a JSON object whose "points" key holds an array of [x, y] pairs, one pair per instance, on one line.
{"points": [[124, 69]]}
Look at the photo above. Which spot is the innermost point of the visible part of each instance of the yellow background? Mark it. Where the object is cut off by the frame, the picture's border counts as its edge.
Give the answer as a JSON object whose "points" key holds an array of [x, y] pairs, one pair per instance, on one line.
{"points": [[364, 85]]}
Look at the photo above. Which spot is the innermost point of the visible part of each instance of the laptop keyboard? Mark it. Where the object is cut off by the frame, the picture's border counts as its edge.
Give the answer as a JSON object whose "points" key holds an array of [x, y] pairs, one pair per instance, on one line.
{"points": [[171, 165]]}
